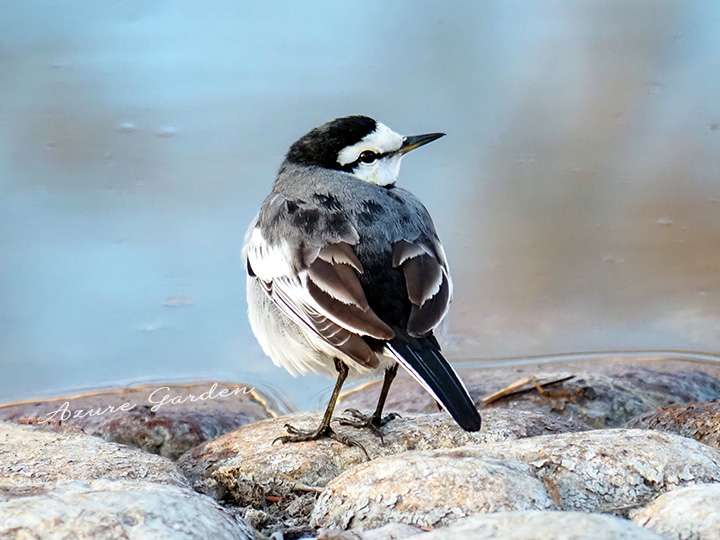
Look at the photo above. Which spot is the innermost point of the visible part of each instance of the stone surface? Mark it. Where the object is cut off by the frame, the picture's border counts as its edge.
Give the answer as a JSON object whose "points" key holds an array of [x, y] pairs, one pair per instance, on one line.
{"points": [[428, 489], [117, 509], [690, 513], [700, 421], [613, 470], [391, 531], [166, 419], [31, 460], [246, 467], [541, 526], [601, 394]]}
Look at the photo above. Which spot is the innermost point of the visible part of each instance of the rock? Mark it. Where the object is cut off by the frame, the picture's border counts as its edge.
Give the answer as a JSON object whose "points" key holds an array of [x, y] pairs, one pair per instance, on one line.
{"points": [[31, 460], [428, 489], [604, 394], [593, 471], [245, 467], [540, 526], [700, 421], [391, 531], [165, 419], [611, 470], [685, 513], [117, 509]]}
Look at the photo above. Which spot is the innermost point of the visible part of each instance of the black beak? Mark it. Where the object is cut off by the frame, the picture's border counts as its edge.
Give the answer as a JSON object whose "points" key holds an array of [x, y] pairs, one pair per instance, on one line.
{"points": [[416, 141]]}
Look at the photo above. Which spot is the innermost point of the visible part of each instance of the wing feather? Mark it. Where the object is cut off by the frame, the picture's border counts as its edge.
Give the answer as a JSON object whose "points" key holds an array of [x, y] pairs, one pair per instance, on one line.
{"points": [[364, 322], [427, 281], [338, 281], [423, 278], [337, 336], [341, 252], [317, 286]]}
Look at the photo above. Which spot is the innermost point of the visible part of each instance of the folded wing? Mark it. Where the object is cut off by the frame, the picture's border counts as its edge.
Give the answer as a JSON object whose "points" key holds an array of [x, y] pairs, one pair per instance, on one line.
{"points": [[316, 284]]}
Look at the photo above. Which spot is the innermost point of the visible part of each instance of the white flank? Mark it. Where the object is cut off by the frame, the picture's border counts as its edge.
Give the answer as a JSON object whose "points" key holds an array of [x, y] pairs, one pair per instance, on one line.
{"points": [[268, 262]]}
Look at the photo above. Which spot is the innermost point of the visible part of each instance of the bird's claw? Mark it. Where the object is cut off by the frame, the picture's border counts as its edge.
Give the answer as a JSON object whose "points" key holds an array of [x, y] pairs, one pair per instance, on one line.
{"points": [[323, 432], [361, 420], [377, 422]]}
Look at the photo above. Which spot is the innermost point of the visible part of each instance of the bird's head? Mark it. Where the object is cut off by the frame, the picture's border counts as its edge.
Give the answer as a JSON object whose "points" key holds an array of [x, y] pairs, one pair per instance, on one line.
{"points": [[358, 145]]}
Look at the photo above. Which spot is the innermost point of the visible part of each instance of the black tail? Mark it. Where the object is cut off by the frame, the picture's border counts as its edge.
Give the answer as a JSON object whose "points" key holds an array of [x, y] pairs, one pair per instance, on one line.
{"points": [[421, 357]]}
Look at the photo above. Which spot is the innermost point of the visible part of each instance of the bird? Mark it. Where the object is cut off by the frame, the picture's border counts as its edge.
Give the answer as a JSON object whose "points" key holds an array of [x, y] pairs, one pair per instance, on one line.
{"points": [[346, 275]]}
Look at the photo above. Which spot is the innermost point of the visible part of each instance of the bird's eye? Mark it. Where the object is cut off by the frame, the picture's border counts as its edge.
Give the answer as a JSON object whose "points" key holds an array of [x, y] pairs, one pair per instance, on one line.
{"points": [[368, 156]]}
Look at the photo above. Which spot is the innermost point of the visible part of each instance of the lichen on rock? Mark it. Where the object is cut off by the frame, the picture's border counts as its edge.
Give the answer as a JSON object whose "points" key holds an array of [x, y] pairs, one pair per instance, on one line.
{"points": [[391, 531], [114, 509], [428, 489], [166, 419], [32, 460], [699, 421], [601, 395], [689, 513], [540, 526], [608, 471], [613, 470], [245, 467]]}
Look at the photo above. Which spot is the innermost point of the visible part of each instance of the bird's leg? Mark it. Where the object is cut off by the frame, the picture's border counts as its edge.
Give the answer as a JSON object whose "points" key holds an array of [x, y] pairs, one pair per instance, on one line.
{"points": [[377, 418], [324, 430], [375, 421]]}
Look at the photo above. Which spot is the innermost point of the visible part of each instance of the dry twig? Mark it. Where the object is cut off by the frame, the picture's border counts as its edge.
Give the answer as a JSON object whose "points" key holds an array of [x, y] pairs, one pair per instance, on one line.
{"points": [[523, 386]]}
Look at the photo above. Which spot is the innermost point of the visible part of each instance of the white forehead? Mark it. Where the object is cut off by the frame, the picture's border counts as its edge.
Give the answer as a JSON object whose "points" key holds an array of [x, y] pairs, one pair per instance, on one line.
{"points": [[382, 140]]}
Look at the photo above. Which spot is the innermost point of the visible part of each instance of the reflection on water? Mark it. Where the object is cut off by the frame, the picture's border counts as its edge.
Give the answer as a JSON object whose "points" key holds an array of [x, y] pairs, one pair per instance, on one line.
{"points": [[578, 192]]}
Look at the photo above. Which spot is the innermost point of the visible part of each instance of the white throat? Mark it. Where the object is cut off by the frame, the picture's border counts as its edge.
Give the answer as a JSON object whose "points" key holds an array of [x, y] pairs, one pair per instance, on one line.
{"points": [[383, 172]]}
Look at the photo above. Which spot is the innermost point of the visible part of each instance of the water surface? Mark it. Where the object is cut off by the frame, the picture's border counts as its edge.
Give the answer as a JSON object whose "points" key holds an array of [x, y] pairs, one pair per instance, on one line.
{"points": [[578, 191]]}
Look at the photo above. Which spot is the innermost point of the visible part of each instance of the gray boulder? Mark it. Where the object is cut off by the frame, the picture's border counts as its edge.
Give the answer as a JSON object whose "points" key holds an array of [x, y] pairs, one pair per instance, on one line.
{"points": [[541, 526], [32, 460], [611, 470], [166, 419], [428, 489], [117, 509], [600, 394], [699, 421], [246, 467], [608, 471], [690, 513], [391, 531]]}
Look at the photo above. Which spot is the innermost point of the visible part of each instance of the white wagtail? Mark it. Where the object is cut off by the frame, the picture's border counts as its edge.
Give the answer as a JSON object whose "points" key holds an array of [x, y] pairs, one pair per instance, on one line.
{"points": [[346, 274]]}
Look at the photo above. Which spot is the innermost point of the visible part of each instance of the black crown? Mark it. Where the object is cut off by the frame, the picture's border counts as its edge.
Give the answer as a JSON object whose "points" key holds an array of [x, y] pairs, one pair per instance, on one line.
{"points": [[322, 145]]}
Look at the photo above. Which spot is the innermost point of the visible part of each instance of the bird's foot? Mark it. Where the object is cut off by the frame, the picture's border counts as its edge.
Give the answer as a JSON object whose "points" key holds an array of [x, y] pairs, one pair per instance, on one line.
{"points": [[368, 421], [323, 432]]}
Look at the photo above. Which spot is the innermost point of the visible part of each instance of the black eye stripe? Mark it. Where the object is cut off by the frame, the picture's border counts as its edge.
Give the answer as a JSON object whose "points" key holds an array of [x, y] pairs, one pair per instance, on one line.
{"points": [[377, 156]]}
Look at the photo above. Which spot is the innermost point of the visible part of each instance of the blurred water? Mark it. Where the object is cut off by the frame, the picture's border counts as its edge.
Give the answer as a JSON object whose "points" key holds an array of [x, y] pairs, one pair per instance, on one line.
{"points": [[577, 192]]}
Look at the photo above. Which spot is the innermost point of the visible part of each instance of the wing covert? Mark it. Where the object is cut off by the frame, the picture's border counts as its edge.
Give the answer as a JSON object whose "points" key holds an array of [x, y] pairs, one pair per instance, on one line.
{"points": [[427, 280], [313, 278]]}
